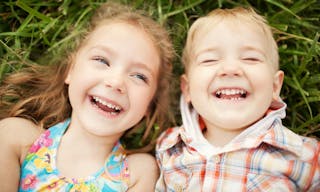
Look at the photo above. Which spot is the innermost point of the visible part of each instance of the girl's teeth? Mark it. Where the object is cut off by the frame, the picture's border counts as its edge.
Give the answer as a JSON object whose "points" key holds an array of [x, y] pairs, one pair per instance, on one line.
{"points": [[97, 99]]}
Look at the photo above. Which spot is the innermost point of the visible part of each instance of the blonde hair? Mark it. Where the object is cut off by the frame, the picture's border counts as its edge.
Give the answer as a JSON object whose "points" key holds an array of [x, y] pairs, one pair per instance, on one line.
{"points": [[239, 14], [39, 93]]}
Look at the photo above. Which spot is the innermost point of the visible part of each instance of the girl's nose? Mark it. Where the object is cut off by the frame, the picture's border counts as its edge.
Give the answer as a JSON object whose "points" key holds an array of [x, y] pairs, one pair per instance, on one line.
{"points": [[115, 81]]}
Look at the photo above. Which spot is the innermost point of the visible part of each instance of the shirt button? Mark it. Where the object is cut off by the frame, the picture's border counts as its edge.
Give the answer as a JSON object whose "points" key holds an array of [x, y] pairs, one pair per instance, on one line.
{"points": [[217, 159], [178, 188]]}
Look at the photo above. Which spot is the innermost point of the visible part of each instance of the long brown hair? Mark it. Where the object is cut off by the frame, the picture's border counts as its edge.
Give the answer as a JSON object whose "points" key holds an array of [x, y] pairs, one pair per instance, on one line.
{"points": [[38, 92]]}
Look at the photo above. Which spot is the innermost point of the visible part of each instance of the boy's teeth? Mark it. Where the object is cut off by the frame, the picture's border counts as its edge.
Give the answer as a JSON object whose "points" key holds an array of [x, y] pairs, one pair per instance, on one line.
{"points": [[229, 93], [97, 99]]}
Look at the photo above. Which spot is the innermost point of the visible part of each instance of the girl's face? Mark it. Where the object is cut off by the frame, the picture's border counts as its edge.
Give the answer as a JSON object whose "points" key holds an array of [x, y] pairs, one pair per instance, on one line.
{"points": [[231, 82], [113, 79]]}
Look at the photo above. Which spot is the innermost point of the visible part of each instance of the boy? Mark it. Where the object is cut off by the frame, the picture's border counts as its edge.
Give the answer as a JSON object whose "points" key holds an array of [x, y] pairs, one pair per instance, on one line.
{"points": [[232, 138]]}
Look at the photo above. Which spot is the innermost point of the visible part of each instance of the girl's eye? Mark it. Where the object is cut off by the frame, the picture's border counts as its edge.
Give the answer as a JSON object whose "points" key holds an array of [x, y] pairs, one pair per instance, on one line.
{"points": [[141, 77], [102, 60]]}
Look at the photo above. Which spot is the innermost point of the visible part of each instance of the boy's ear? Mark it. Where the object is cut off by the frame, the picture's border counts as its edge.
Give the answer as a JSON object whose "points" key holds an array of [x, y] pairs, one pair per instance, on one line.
{"points": [[184, 86], [277, 84]]}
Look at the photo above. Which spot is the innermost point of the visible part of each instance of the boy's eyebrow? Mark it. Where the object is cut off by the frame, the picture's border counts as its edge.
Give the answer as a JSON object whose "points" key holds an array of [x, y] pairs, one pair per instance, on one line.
{"points": [[210, 49], [253, 48], [244, 48]]}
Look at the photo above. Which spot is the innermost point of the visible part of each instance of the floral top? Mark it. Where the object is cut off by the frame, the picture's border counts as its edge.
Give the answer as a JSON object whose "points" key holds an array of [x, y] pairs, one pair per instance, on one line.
{"points": [[39, 171]]}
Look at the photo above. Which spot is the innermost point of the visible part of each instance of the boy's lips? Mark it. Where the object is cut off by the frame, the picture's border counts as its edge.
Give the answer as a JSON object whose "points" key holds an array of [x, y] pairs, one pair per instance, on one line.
{"points": [[106, 106], [231, 93]]}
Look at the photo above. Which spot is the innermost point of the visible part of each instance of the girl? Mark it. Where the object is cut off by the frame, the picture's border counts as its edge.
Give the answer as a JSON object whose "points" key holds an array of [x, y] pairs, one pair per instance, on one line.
{"points": [[114, 80]]}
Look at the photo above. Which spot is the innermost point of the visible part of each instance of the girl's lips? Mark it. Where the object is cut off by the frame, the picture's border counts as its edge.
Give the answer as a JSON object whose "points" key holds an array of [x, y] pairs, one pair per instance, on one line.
{"points": [[106, 106]]}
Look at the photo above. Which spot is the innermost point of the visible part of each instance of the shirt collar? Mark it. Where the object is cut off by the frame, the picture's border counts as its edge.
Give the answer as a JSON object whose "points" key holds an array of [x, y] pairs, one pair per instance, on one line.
{"points": [[268, 130]]}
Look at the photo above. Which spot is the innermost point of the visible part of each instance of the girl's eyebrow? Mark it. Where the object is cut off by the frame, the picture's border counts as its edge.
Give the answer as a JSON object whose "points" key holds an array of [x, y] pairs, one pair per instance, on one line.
{"points": [[103, 48], [143, 67], [138, 64]]}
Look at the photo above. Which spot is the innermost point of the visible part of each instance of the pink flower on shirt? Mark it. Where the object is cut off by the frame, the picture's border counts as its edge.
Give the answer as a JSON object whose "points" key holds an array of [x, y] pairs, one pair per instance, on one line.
{"points": [[29, 182], [43, 141]]}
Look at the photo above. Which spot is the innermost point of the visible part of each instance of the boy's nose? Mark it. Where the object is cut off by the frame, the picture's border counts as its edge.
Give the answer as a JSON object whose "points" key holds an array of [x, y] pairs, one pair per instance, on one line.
{"points": [[230, 68]]}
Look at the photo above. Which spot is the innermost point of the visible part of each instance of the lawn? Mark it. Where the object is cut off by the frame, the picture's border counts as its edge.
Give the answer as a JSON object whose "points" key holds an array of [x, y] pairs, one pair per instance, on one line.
{"points": [[30, 29]]}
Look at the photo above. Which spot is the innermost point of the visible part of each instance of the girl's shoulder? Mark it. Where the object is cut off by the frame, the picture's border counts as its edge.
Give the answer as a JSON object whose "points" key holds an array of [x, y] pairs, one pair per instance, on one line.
{"points": [[18, 134], [143, 172]]}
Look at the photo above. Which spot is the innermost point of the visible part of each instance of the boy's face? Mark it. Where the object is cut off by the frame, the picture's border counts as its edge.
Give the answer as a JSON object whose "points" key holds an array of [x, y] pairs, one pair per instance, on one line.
{"points": [[230, 81]]}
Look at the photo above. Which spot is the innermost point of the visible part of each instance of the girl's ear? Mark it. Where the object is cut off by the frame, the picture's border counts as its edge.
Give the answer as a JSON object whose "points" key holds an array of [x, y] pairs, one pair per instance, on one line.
{"points": [[71, 64], [184, 86], [277, 84], [67, 80]]}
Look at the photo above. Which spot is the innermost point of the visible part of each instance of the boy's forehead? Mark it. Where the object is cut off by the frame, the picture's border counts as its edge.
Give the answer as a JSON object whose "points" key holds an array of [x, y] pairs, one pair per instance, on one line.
{"points": [[208, 23], [216, 30]]}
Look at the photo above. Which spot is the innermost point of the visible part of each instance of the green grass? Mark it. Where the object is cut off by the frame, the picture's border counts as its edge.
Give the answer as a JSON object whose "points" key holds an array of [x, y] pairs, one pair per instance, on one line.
{"points": [[31, 28]]}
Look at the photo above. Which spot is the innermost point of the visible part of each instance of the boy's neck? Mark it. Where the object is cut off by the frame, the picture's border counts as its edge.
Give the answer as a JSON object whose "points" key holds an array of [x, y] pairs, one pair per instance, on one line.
{"points": [[220, 137]]}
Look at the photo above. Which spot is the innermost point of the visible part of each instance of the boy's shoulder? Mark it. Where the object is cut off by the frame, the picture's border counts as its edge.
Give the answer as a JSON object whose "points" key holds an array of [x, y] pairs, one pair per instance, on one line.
{"points": [[303, 145], [310, 147]]}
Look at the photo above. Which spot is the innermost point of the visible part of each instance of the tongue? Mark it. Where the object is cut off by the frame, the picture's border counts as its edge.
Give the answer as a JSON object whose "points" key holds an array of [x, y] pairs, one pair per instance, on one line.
{"points": [[105, 108]]}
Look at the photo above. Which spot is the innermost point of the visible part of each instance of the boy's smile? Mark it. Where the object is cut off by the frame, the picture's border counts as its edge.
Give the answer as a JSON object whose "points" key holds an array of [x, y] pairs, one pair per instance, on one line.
{"points": [[231, 81], [231, 93]]}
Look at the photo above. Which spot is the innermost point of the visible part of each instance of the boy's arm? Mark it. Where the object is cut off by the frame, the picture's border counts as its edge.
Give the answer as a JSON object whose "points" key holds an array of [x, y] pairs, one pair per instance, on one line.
{"points": [[160, 185], [15, 135], [143, 172], [315, 183]]}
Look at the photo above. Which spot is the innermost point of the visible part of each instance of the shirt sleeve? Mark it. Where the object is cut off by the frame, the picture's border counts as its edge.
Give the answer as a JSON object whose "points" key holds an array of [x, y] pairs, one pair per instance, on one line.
{"points": [[315, 181]]}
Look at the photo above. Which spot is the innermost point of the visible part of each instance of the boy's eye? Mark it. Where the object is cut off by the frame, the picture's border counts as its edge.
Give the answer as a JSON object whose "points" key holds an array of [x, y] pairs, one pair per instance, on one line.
{"points": [[102, 60], [252, 59], [209, 61], [141, 77]]}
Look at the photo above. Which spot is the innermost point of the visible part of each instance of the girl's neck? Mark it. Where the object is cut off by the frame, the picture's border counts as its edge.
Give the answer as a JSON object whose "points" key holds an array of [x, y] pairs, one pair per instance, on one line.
{"points": [[81, 154]]}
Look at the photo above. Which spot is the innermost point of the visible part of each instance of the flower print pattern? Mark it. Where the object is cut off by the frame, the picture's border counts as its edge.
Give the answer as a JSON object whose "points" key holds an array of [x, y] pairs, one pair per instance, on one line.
{"points": [[39, 171], [29, 182], [44, 159], [43, 141]]}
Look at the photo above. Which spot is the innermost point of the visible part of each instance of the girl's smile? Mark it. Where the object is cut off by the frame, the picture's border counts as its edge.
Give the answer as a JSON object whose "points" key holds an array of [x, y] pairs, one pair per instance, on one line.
{"points": [[106, 106], [113, 79]]}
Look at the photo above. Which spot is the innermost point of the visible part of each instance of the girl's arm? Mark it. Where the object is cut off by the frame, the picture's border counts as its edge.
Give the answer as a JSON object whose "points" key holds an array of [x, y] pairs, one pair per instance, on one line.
{"points": [[143, 171], [16, 136]]}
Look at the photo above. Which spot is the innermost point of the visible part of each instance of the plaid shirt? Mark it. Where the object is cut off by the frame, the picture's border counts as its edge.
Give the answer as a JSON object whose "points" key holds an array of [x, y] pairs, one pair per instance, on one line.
{"points": [[265, 157]]}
